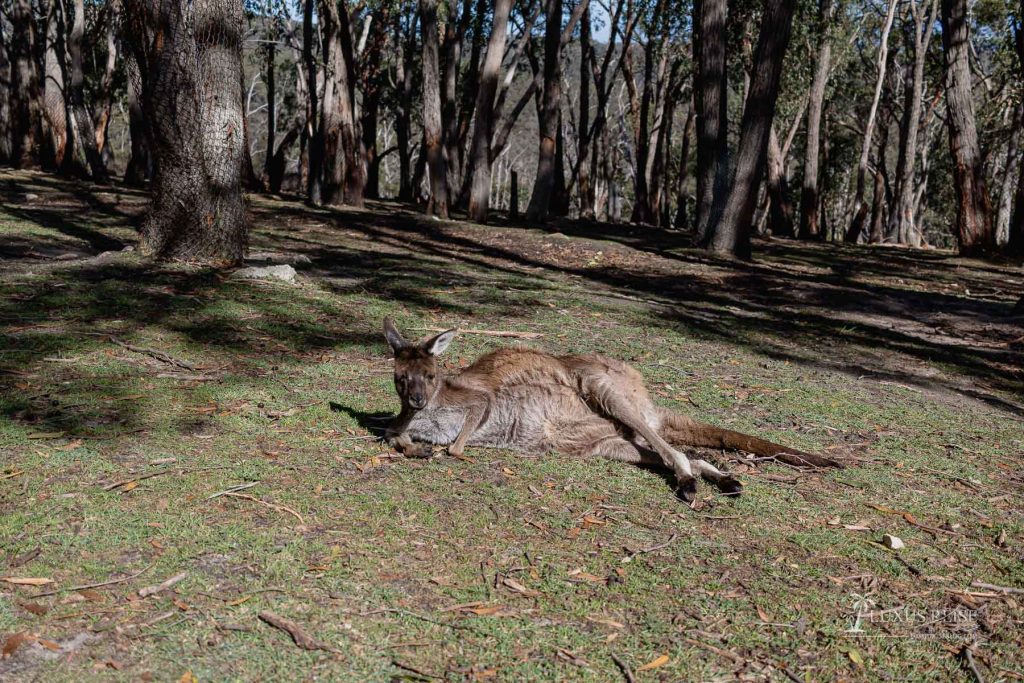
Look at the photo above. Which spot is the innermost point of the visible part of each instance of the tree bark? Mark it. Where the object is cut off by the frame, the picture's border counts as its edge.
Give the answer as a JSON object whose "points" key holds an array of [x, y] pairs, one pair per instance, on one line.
{"points": [[544, 182], [483, 129], [860, 208], [682, 220], [1011, 164], [902, 223], [780, 208], [344, 163], [810, 202], [5, 95], [270, 52], [81, 121], [195, 116], [974, 206], [1015, 245], [406, 46], [433, 143], [710, 100], [26, 118], [315, 172], [731, 233], [140, 164]]}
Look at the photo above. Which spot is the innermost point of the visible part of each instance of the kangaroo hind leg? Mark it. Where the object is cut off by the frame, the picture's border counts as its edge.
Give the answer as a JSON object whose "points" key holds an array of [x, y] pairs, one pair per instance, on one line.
{"points": [[619, 394]]}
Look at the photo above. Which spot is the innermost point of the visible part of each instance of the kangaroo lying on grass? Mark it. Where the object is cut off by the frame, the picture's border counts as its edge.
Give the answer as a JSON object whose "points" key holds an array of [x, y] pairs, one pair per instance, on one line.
{"points": [[533, 402]]}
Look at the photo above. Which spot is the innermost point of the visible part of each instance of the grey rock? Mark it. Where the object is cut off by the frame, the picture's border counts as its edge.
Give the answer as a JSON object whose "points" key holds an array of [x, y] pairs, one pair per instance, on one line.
{"points": [[285, 273]]}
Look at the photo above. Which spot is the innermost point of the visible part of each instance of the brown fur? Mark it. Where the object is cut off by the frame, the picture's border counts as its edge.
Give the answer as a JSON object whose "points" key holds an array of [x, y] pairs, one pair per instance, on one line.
{"points": [[583, 405]]}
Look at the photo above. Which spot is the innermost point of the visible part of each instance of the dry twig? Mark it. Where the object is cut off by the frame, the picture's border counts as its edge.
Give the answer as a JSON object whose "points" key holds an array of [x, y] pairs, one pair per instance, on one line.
{"points": [[162, 586], [301, 638], [87, 586], [273, 506]]}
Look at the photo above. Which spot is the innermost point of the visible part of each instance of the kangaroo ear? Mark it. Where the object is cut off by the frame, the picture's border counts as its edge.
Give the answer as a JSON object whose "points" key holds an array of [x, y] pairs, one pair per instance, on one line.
{"points": [[436, 345], [395, 339]]}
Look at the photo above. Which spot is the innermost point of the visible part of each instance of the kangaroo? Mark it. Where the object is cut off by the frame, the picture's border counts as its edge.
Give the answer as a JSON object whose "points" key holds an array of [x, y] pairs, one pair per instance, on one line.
{"points": [[534, 402]]}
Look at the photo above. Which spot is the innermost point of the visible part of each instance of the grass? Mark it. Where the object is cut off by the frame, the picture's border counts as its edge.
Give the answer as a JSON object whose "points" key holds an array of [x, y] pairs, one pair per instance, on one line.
{"points": [[558, 564]]}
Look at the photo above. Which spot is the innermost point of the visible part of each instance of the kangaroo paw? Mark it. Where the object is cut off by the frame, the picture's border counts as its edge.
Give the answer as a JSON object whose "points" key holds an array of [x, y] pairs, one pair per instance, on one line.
{"points": [[686, 488], [730, 486]]}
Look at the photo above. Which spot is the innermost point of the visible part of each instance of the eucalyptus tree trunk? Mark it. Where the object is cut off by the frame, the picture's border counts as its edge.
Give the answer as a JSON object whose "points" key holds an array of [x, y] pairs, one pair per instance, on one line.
{"points": [[270, 74], [433, 143], [860, 208], [81, 121], [731, 233], [544, 182], [405, 46], [711, 103], [140, 163], [344, 163], [5, 96], [105, 96], [682, 219], [60, 152], [810, 201], [902, 223], [1011, 164], [780, 208], [315, 171], [483, 129], [1015, 245], [583, 187], [974, 207], [194, 111], [26, 114]]}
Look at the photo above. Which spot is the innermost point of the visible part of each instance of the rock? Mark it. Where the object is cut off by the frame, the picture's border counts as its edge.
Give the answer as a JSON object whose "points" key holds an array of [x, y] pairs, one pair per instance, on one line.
{"points": [[30, 197], [285, 273], [893, 542], [270, 258]]}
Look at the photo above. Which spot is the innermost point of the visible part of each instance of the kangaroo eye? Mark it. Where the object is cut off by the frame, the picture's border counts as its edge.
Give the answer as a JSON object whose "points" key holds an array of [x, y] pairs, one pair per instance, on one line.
{"points": [[430, 377]]}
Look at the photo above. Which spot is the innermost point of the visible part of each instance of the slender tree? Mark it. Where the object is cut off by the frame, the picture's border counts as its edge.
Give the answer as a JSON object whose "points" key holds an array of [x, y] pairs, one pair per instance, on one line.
{"points": [[712, 108], [544, 182], [433, 142], [810, 201], [730, 234], [973, 204]]}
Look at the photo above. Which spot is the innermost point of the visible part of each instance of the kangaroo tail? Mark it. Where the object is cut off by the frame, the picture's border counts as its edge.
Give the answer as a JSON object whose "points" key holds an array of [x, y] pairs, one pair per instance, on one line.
{"points": [[683, 431]]}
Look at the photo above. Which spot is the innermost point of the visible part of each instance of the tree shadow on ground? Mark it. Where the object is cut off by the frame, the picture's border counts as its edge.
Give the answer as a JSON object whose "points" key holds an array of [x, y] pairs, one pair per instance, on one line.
{"points": [[823, 315]]}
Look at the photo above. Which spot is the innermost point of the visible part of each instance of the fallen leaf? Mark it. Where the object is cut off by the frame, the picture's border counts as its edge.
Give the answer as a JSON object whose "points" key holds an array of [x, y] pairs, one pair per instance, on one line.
{"points": [[514, 585], [26, 581], [655, 663], [130, 486], [34, 608], [765, 617], [188, 677], [855, 657], [49, 645], [14, 642], [485, 611], [77, 443]]}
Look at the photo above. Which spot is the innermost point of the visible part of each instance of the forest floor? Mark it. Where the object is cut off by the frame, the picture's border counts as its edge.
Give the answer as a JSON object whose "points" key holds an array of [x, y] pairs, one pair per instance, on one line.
{"points": [[131, 394]]}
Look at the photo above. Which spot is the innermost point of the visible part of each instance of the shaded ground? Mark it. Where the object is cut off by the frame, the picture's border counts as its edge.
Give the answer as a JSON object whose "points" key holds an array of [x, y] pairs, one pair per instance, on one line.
{"points": [[905, 364]]}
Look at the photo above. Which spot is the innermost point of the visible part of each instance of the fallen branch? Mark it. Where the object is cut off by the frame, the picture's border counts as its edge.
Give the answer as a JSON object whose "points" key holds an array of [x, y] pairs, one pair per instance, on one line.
{"points": [[233, 489], [162, 586], [87, 586], [968, 658], [301, 638], [421, 674], [172, 470], [717, 650], [627, 673], [154, 353], [641, 551], [488, 333], [993, 587], [274, 506]]}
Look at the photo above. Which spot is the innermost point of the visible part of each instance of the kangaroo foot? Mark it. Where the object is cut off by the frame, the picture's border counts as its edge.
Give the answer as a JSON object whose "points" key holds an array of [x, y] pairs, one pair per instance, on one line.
{"points": [[686, 488], [729, 486]]}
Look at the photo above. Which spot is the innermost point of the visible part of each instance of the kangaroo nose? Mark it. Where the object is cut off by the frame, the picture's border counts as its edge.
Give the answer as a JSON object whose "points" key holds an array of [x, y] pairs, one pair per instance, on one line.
{"points": [[417, 400]]}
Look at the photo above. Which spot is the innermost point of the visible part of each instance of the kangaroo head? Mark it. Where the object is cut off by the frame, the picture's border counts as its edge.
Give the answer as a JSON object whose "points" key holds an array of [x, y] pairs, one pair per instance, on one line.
{"points": [[416, 375]]}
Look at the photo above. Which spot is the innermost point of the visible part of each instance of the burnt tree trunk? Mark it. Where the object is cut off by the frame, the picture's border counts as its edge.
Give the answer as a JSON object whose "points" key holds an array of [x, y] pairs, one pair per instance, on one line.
{"points": [[5, 95], [194, 112], [544, 182], [710, 101], [731, 233], [433, 143], [810, 201], [974, 207]]}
